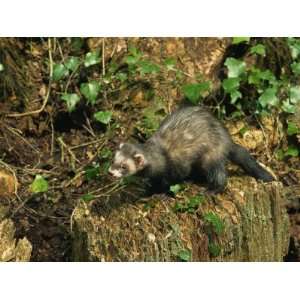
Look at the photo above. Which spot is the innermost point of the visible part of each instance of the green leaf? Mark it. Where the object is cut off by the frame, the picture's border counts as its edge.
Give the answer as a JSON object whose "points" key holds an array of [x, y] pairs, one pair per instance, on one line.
{"points": [[295, 94], [288, 107], [39, 185], [92, 172], [292, 151], [59, 72], [269, 98], [184, 255], [88, 197], [296, 68], [106, 153], [194, 202], [91, 58], [134, 51], [103, 117], [170, 63], [234, 96], [1, 67], [214, 249], [90, 90], [256, 76], [231, 84], [259, 49], [131, 60], [121, 76], [147, 67], [72, 63], [175, 189], [235, 67], [194, 91], [294, 45], [72, 100], [292, 128], [238, 40], [215, 221]]}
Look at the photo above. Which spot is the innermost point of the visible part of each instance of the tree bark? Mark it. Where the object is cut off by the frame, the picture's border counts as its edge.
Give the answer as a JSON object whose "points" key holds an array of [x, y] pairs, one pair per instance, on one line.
{"points": [[256, 227]]}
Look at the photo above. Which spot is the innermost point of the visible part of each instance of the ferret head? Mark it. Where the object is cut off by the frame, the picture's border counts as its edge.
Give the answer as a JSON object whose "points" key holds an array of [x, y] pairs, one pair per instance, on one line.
{"points": [[129, 159]]}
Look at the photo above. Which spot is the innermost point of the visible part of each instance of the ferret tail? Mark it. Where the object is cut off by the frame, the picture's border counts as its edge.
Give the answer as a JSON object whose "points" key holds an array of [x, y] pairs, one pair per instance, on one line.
{"points": [[243, 158]]}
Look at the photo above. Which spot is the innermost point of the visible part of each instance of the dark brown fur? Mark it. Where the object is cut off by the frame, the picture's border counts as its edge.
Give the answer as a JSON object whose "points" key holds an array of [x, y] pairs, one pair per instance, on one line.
{"points": [[190, 139]]}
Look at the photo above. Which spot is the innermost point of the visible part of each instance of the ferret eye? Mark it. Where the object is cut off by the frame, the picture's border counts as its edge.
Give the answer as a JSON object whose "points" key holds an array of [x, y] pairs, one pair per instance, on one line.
{"points": [[124, 167]]}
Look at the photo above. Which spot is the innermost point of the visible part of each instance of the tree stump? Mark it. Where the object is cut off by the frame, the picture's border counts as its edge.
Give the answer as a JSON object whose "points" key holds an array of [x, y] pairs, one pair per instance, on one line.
{"points": [[10, 249], [255, 227]]}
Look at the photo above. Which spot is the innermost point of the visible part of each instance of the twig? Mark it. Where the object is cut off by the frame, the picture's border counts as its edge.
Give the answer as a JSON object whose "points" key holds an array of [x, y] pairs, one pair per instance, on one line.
{"points": [[48, 92], [60, 51], [69, 150], [103, 56], [87, 144], [73, 179]]}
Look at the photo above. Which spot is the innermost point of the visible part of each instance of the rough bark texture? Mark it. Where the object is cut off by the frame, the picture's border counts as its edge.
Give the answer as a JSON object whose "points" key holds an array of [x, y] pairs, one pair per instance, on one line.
{"points": [[10, 248], [256, 227]]}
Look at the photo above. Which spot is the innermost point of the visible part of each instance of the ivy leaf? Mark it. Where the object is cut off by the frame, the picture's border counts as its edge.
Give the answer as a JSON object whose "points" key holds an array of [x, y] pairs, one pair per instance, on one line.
{"points": [[72, 63], [121, 76], [175, 189], [238, 40], [234, 96], [134, 51], [39, 185], [257, 75], [288, 107], [268, 97], [170, 63], [294, 45], [194, 91], [292, 128], [71, 100], [90, 90], [296, 68], [147, 67], [235, 67], [92, 172], [131, 60], [184, 255], [292, 151], [259, 49], [91, 58], [103, 117], [59, 71], [295, 94], [230, 86], [1, 67]]}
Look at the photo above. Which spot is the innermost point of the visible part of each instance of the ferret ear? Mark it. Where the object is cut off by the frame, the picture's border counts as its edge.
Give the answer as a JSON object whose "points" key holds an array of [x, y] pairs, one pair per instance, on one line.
{"points": [[121, 145], [139, 159]]}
